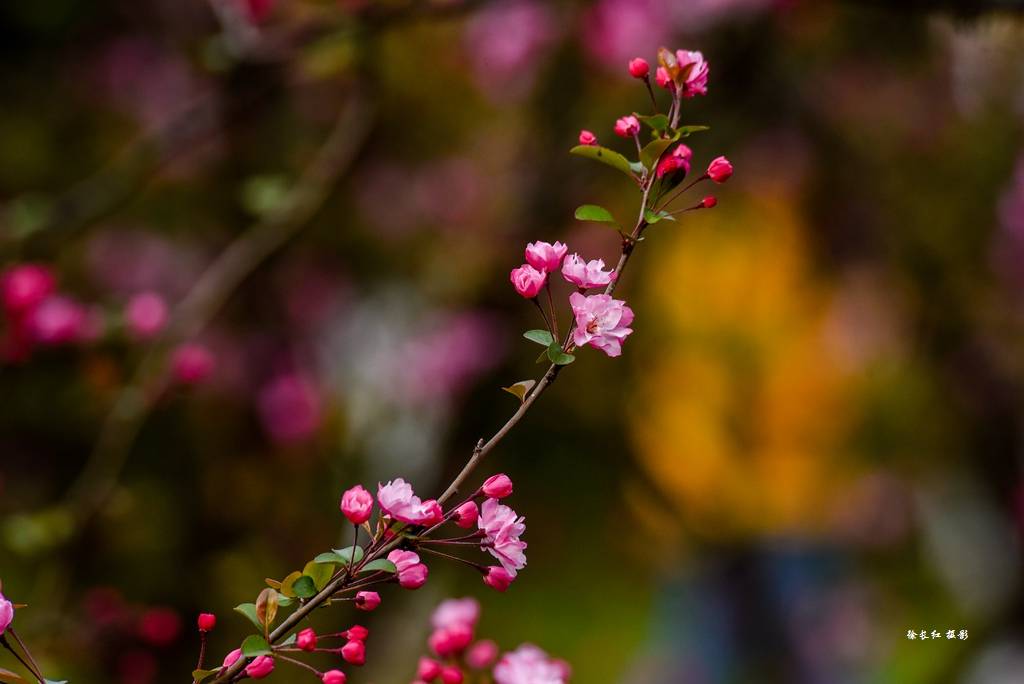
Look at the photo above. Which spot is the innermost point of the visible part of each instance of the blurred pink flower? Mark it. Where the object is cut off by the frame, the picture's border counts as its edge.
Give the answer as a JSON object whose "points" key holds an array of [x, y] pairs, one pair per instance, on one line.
{"points": [[695, 70], [481, 654], [614, 31], [464, 611], [290, 408], [601, 322], [528, 665], [447, 641], [26, 285], [57, 320], [627, 126], [145, 315], [587, 138], [159, 626], [506, 42], [136, 666], [192, 363]]}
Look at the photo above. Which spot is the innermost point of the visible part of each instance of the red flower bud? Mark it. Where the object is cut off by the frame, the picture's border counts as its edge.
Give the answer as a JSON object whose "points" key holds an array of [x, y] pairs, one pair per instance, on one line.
{"points": [[206, 622]]}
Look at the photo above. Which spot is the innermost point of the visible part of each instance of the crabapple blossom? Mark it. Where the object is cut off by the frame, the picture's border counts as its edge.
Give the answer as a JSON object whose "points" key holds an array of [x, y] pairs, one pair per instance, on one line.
{"points": [[719, 170], [411, 573], [25, 286], [627, 126], [639, 68], [231, 657], [465, 515], [502, 528], [367, 600], [465, 611], [357, 632], [481, 654], [354, 652], [528, 664], [545, 256], [587, 138], [397, 499], [450, 640], [357, 504], [306, 639], [56, 320], [694, 71], [206, 622], [678, 159], [451, 675], [428, 669], [6, 613], [498, 578], [145, 315], [663, 78], [192, 363], [601, 322], [333, 677], [709, 202], [260, 667], [497, 486], [586, 274], [527, 280]]}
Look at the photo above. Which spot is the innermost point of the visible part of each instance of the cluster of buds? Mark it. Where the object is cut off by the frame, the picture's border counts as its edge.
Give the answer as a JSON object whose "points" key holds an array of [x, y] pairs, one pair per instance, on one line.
{"points": [[456, 655]]}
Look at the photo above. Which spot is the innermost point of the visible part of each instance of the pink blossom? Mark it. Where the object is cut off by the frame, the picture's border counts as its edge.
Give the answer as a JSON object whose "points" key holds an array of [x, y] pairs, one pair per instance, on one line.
{"points": [[428, 669], [357, 504], [6, 613], [450, 640], [451, 612], [601, 322], [289, 408], [465, 516], [26, 285], [354, 652], [451, 675], [627, 126], [230, 658], [333, 677], [663, 78], [411, 573], [678, 159], [56, 320], [587, 138], [396, 498], [357, 632], [159, 626], [192, 363], [205, 622], [615, 30], [639, 68], [694, 72], [498, 578], [502, 528], [586, 274], [709, 202], [719, 170], [544, 256], [527, 280], [497, 486], [481, 654], [260, 667], [367, 600], [145, 315], [306, 639], [528, 665]]}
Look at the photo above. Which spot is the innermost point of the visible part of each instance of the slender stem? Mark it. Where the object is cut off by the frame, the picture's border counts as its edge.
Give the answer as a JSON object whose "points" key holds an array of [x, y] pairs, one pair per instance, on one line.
{"points": [[202, 651], [547, 323], [299, 663], [35, 673], [454, 558], [679, 192], [28, 653], [551, 307]]}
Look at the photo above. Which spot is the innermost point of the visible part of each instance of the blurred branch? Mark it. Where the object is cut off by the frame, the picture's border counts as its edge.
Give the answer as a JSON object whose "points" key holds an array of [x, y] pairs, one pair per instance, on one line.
{"points": [[206, 298]]}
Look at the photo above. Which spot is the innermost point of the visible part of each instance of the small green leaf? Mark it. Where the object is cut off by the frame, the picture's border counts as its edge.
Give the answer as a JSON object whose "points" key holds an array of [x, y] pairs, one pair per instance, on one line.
{"points": [[559, 357], [305, 587], [266, 607], [652, 152], [605, 156], [288, 583], [320, 572], [255, 645], [284, 601], [290, 640], [520, 389], [687, 130], [637, 168], [592, 212], [381, 564], [541, 337], [249, 611], [340, 556], [652, 217], [657, 122], [199, 675]]}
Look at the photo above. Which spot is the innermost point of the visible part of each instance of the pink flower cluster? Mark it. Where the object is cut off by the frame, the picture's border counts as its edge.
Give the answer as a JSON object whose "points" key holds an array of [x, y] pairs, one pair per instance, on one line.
{"points": [[455, 651], [396, 498]]}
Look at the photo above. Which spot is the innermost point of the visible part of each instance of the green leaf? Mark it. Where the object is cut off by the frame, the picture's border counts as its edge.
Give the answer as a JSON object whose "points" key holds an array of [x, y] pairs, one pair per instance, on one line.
{"points": [[657, 122], [288, 583], [541, 337], [199, 675], [653, 218], [255, 645], [381, 564], [605, 156], [340, 556], [687, 130], [305, 587], [249, 611], [593, 212], [637, 168], [559, 357], [520, 389], [290, 640], [320, 572], [652, 152]]}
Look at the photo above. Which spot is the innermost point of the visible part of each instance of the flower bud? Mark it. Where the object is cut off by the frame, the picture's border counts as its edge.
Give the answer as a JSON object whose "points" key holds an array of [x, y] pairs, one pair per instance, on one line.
{"points": [[192, 363], [587, 138], [413, 577], [356, 505], [260, 667], [145, 315], [527, 280], [6, 613], [367, 600], [230, 658], [451, 675], [24, 286], [465, 516], [719, 170], [306, 639], [627, 126], [497, 486], [709, 202], [357, 632], [354, 652], [481, 654], [639, 68], [498, 578], [333, 677], [428, 669], [544, 256], [206, 622]]}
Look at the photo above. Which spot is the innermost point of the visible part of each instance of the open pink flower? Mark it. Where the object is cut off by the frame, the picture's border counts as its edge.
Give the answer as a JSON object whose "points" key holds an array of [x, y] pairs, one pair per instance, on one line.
{"points": [[528, 665], [357, 504], [545, 256], [502, 528], [396, 498], [601, 322], [527, 280], [694, 71], [586, 274], [587, 138], [627, 126]]}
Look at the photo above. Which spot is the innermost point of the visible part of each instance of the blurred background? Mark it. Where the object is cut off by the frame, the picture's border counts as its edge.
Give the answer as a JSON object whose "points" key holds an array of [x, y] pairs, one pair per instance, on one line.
{"points": [[811, 445]]}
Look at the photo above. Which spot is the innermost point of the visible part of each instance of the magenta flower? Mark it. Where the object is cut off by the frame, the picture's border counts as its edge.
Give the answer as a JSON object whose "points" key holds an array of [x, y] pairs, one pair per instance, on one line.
{"points": [[192, 363], [306, 639], [527, 280], [544, 256], [230, 658], [587, 138], [367, 600], [719, 170], [678, 159], [502, 528], [25, 286], [601, 322], [354, 652], [528, 665], [333, 677], [57, 320], [260, 667], [145, 315], [627, 126], [396, 498], [709, 202], [639, 68], [497, 486], [694, 71], [481, 654], [6, 613], [447, 641], [411, 573], [451, 675], [586, 274], [465, 516], [205, 622], [428, 669], [662, 78], [357, 504], [498, 578]]}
